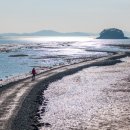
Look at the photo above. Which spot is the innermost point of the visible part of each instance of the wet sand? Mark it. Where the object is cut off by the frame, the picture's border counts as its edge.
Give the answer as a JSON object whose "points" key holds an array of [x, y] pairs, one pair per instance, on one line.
{"points": [[95, 98], [20, 100]]}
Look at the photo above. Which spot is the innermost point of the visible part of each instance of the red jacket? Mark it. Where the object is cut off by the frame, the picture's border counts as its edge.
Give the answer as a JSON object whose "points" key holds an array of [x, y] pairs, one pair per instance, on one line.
{"points": [[33, 71]]}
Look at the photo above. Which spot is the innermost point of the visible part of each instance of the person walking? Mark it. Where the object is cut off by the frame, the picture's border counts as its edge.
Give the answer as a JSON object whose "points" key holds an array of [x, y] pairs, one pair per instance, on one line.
{"points": [[33, 74]]}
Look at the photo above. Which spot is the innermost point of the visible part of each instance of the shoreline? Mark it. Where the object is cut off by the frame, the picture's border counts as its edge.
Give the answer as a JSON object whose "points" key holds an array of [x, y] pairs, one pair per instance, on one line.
{"points": [[24, 116], [20, 78], [17, 77]]}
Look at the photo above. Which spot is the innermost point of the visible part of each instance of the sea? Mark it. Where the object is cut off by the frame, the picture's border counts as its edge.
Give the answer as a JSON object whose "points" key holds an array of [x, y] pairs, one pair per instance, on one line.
{"points": [[18, 55]]}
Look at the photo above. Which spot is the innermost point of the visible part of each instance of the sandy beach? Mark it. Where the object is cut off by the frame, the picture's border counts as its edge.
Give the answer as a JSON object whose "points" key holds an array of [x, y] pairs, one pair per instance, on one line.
{"points": [[20, 100]]}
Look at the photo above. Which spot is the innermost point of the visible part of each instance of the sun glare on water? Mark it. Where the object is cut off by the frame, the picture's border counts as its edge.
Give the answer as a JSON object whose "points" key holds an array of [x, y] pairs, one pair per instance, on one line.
{"points": [[40, 39]]}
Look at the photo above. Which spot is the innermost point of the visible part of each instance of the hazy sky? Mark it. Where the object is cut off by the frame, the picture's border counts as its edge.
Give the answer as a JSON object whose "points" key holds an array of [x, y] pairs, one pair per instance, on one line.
{"points": [[63, 15]]}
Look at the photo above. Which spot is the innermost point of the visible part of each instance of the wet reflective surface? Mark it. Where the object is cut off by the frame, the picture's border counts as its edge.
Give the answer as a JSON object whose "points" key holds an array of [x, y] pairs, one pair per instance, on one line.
{"points": [[97, 98], [19, 54]]}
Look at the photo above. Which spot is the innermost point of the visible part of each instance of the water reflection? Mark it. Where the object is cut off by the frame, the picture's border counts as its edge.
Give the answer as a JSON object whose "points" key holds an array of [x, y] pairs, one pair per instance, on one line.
{"points": [[52, 51]]}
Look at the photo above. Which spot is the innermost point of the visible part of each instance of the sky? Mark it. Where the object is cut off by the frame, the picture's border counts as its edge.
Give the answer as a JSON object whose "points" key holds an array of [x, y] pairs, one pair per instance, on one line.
{"points": [[63, 15]]}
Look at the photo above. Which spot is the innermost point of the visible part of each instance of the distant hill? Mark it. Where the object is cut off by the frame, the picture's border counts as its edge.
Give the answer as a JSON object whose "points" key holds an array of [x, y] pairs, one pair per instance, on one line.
{"points": [[112, 33], [48, 33]]}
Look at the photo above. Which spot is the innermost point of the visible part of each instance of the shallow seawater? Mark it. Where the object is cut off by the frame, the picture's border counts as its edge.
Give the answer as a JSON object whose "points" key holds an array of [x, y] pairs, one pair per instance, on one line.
{"points": [[19, 54]]}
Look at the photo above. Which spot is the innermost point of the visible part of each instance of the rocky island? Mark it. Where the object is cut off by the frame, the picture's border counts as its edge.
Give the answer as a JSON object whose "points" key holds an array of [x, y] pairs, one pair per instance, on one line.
{"points": [[112, 33]]}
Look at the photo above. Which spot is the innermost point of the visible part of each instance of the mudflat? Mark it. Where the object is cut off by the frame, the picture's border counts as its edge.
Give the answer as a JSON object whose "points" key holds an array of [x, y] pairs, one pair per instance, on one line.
{"points": [[19, 101]]}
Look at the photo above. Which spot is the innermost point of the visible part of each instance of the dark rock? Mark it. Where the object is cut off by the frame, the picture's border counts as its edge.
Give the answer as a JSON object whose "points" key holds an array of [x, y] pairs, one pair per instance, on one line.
{"points": [[112, 33], [47, 125], [35, 127], [44, 124], [37, 116]]}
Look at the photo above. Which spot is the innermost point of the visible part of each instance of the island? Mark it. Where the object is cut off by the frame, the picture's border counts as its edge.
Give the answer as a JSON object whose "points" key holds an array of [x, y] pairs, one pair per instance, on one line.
{"points": [[112, 33]]}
